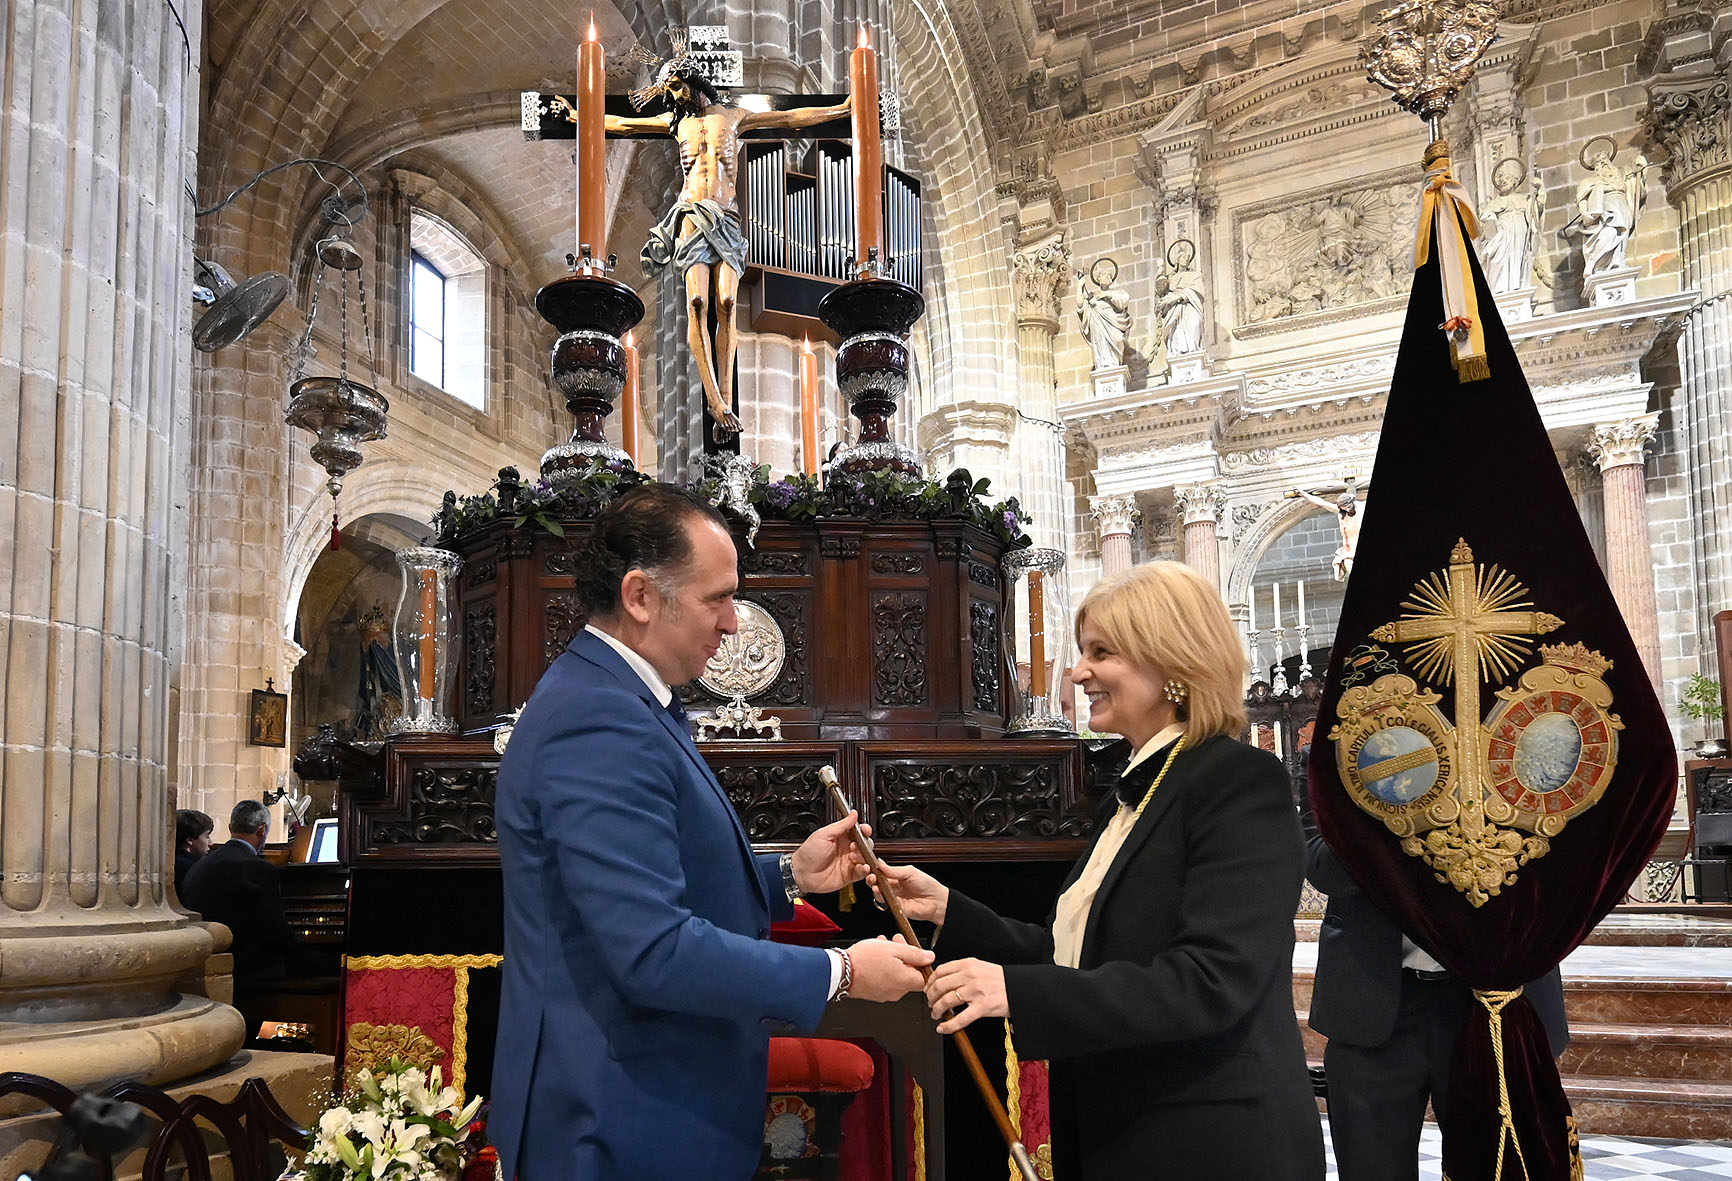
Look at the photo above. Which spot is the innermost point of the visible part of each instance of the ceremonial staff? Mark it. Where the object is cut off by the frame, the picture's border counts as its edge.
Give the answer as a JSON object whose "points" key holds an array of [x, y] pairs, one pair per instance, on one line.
{"points": [[988, 1092]]}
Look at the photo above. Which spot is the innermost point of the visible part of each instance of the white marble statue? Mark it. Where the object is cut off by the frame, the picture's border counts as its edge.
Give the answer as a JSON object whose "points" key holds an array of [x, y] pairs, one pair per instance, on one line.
{"points": [[1607, 203], [1103, 311], [1509, 225], [1180, 300]]}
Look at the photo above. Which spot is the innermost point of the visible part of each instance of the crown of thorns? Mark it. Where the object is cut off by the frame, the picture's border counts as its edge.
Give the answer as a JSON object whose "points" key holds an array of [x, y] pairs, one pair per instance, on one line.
{"points": [[683, 63]]}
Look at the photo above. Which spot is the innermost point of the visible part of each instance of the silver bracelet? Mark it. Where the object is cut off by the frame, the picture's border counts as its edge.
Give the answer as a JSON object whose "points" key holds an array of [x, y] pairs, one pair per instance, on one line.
{"points": [[847, 979], [788, 882]]}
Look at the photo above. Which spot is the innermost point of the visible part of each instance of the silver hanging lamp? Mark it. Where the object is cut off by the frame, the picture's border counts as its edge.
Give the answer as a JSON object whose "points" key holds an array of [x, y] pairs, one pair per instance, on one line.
{"points": [[340, 412]]}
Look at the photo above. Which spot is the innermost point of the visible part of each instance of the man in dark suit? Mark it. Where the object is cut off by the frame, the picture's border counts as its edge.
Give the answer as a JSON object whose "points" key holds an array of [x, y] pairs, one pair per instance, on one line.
{"points": [[639, 986], [235, 886], [1391, 1014]]}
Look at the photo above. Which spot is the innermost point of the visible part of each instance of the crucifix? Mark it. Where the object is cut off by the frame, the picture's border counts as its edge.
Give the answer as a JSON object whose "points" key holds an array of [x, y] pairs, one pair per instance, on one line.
{"points": [[700, 236], [1468, 626]]}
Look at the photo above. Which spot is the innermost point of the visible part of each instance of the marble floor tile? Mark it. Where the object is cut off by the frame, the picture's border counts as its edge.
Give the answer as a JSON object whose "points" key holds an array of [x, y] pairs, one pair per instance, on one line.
{"points": [[1607, 1158]]}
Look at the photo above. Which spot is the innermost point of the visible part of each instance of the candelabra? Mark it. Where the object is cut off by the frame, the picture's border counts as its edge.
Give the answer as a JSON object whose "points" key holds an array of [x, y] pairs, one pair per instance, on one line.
{"points": [[1254, 636], [1279, 681], [1304, 630]]}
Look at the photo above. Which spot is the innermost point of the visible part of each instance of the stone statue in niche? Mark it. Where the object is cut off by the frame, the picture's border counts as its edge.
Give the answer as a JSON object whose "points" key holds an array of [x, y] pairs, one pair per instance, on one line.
{"points": [[1509, 226], [1607, 203], [1103, 312], [1179, 300]]}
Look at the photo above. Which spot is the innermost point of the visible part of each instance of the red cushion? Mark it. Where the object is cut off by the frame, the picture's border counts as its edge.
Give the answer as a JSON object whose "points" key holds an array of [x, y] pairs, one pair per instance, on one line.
{"points": [[810, 927], [817, 1064]]}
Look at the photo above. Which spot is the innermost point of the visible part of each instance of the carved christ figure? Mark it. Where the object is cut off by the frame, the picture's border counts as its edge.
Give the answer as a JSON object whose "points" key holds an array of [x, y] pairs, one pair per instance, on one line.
{"points": [[1347, 505], [700, 236]]}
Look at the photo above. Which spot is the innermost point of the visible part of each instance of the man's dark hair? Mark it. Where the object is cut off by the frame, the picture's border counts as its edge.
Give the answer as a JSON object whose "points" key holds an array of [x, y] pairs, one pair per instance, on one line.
{"points": [[249, 816], [190, 823], [643, 530]]}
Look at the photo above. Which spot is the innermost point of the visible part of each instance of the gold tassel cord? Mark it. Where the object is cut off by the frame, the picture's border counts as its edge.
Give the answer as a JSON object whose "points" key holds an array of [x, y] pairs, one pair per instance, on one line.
{"points": [[1494, 1002], [1013, 1094], [1444, 211]]}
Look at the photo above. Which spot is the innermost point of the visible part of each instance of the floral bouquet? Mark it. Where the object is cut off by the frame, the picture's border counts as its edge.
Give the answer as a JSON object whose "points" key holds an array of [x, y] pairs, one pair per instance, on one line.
{"points": [[398, 1124]]}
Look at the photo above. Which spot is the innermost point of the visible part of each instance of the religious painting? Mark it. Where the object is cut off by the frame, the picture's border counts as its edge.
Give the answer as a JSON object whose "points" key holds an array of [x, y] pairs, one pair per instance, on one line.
{"points": [[268, 720], [1325, 250]]}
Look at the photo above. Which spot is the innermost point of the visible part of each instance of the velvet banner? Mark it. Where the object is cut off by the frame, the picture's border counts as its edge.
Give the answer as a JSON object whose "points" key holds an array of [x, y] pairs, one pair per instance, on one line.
{"points": [[1491, 763]]}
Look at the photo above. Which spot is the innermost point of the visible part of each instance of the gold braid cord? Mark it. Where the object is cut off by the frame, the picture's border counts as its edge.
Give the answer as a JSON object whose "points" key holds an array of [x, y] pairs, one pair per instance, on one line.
{"points": [[919, 1133], [1494, 1002], [366, 1042], [1042, 1156]]}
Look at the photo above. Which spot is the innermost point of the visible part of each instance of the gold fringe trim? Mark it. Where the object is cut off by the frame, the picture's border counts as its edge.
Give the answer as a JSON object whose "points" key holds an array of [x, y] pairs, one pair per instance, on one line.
{"points": [[919, 1133]]}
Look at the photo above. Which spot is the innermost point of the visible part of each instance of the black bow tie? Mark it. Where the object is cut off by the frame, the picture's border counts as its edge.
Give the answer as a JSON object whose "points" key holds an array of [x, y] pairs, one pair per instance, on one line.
{"points": [[1134, 784]]}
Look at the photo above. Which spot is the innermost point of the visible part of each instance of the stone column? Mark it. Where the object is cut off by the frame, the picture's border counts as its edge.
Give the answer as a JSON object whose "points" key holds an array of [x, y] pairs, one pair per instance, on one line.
{"points": [[1618, 448], [1201, 506], [1115, 517], [1690, 114], [1041, 268], [100, 103]]}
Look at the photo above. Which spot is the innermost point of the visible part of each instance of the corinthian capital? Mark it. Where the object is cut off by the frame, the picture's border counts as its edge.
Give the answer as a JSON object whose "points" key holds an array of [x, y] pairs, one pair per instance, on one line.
{"points": [[1619, 444], [1200, 504], [1114, 514], [1692, 117], [1040, 272]]}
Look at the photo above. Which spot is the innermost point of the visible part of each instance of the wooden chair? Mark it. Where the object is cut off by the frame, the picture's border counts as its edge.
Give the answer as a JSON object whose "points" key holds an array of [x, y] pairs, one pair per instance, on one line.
{"points": [[251, 1127]]}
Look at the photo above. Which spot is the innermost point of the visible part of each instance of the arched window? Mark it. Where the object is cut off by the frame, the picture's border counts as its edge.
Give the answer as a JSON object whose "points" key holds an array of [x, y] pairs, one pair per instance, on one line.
{"points": [[447, 301]]}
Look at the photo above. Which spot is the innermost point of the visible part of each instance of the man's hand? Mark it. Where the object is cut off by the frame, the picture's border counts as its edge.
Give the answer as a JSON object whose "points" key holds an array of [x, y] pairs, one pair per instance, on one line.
{"points": [[886, 970], [828, 859], [923, 896], [965, 991]]}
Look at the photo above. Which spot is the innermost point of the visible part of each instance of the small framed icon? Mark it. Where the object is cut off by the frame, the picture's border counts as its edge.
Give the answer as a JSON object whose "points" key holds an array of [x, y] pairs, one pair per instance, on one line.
{"points": [[268, 720]]}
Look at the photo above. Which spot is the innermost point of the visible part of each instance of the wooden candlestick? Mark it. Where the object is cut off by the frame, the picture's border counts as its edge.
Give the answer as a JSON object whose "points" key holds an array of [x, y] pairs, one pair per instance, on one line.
{"points": [[868, 153]]}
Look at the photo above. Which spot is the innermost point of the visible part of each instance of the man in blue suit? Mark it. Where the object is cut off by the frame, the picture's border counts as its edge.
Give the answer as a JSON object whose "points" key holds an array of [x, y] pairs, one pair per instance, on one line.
{"points": [[639, 988]]}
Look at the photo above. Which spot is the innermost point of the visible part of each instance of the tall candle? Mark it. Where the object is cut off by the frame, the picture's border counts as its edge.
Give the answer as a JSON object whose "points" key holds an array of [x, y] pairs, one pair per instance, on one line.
{"points": [[1037, 633], [429, 586], [630, 412], [1301, 601], [1275, 605], [591, 147], [868, 152], [808, 409]]}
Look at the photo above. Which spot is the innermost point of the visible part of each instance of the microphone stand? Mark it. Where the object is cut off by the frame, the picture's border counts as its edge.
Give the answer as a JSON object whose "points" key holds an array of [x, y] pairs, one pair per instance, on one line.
{"points": [[965, 1047]]}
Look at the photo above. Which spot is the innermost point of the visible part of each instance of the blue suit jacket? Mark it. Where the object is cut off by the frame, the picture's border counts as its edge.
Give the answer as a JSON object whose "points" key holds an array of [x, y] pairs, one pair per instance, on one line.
{"points": [[639, 990]]}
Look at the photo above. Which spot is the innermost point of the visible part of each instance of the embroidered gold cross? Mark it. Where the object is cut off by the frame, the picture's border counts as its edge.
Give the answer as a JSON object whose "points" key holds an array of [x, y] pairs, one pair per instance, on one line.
{"points": [[1468, 626]]}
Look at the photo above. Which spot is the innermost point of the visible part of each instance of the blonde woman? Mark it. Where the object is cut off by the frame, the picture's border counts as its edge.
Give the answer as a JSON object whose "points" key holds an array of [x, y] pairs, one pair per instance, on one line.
{"points": [[1162, 986]]}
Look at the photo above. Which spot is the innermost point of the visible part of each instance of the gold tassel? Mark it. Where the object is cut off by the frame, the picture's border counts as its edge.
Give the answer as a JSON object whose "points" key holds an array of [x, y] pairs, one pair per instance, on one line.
{"points": [[1472, 369], [1494, 1002]]}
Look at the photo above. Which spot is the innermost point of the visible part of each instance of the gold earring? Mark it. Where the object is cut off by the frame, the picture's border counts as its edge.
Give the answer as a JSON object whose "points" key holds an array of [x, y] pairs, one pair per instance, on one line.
{"points": [[1177, 692]]}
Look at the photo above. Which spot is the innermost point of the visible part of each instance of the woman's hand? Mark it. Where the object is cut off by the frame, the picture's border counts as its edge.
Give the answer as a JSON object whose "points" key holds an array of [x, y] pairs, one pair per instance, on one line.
{"points": [[923, 896], [963, 991]]}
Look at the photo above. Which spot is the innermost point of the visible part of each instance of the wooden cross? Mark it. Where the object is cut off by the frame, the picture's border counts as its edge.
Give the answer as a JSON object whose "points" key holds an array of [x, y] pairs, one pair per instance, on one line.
{"points": [[1465, 626]]}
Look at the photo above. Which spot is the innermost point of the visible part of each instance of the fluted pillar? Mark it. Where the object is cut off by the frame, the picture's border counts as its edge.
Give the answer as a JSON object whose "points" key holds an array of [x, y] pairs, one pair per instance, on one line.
{"points": [[1040, 270], [1690, 113], [1115, 517], [100, 104], [1200, 507], [1619, 448]]}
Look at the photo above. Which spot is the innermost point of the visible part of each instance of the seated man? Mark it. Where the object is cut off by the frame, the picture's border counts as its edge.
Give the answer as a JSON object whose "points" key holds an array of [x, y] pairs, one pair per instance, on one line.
{"points": [[192, 831], [235, 886]]}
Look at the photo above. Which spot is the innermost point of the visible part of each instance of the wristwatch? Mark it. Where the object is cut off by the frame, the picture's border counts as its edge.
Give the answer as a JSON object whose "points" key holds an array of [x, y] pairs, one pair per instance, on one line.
{"points": [[788, 882]]}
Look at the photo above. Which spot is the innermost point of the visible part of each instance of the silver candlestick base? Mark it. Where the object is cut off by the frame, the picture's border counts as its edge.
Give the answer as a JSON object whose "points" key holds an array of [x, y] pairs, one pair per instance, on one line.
{"points": [[1279, 681], [1304, 630]]}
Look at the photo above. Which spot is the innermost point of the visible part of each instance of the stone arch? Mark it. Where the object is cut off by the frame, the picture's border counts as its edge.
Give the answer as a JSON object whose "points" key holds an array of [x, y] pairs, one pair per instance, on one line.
{"points": [[393, 487], [1258, 538], [969, 305]]}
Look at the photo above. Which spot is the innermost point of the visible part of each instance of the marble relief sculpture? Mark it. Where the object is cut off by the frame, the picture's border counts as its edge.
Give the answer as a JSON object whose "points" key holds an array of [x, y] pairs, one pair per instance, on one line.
{"points": [[1179, 300], [1103, 313], [1327, 250], [1607, 203], [1509, 227]]}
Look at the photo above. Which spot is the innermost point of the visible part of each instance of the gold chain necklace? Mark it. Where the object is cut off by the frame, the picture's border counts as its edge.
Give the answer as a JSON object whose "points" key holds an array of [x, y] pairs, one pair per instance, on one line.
{"points": [[1150, 794]]}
